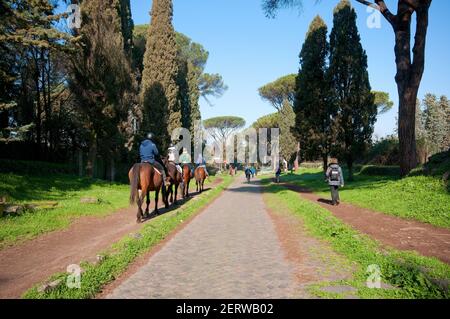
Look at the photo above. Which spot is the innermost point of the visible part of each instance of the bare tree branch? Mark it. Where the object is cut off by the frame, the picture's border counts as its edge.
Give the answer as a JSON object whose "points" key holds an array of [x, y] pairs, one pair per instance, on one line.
{"points": [[381, 6]]}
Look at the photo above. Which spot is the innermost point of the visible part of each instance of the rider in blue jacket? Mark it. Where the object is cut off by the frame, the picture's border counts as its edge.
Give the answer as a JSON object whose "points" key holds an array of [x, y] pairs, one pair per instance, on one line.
{"points": [[149, 154]]}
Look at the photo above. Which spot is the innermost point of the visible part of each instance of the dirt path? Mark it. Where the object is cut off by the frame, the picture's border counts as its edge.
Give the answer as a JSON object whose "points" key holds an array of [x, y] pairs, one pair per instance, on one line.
{"points": [[389, 230], [24, 265], [234, 249]]}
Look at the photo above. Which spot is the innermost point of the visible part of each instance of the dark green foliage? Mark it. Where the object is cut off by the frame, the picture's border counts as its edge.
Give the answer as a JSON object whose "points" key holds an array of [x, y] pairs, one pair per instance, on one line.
{"points": [[127, 26], [351, 90], [101, 79], [35, 168], [160, 99], [371, 170], [438, 164], [192, 58], [384, 152], [28, 70], [288, 141], [312, 106]]}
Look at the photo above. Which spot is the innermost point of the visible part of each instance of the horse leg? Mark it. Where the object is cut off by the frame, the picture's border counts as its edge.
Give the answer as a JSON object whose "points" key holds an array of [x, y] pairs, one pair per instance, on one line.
{"points": [[171, 193], [148, 204], [176, 192], [139, 212], [187, 188], [156, 200]]}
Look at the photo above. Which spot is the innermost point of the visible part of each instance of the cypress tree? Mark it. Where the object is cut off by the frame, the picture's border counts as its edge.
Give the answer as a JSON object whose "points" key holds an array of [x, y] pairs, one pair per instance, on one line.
{"points": [[435, 123], [127, 25], [312, 108], [445, 107], [101, 78], [421, 134], [288, 142], [159, 87], [351, 90]]}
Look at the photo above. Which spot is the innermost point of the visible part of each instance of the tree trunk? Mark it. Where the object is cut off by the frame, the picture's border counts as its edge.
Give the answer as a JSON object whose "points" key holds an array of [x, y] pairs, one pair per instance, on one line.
{"points": [[409, 76], [92, 156], [112, 169], [297, 160], [325, 162], [350, 169], [80, 162]]}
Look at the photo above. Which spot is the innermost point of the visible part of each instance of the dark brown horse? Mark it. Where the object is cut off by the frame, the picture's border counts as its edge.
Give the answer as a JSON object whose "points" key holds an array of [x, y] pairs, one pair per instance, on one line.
{"points": [[200, 176], [186, 180], [175, 179], [144, 179]]}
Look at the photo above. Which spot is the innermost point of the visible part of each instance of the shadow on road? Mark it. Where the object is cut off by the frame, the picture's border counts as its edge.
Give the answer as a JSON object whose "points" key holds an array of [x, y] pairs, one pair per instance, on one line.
{"points": [[172, 207]]}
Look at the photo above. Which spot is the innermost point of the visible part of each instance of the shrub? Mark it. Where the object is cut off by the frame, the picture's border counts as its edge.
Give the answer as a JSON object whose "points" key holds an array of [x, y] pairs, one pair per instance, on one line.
{"points": [[372, 170], [384, 152], [34, 167]]}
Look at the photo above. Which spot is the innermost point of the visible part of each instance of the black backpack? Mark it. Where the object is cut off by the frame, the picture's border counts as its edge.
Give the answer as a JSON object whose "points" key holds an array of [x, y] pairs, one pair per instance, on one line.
{"points": [[334, 174]]}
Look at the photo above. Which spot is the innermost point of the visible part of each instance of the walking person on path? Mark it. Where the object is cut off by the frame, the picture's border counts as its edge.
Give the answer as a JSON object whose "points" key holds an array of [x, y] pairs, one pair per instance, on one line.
{"points": [[335, 179]]}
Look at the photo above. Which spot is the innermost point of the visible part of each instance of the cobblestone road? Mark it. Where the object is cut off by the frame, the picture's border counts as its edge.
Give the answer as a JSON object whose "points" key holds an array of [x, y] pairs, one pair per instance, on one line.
{"points": [[231, 250]]}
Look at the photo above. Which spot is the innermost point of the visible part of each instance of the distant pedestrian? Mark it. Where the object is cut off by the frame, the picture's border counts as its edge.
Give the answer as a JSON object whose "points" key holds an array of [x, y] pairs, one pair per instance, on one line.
{"points": [[335, 179], [277, 174]]}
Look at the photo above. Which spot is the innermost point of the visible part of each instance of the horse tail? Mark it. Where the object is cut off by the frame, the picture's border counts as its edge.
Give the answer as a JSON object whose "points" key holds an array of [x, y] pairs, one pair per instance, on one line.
{"points": [[134, 183]]}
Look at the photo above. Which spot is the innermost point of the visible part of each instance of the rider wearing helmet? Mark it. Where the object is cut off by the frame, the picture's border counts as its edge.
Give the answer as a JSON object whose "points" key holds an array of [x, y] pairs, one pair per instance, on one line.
{"points": [[172, 156], [149, 154]]}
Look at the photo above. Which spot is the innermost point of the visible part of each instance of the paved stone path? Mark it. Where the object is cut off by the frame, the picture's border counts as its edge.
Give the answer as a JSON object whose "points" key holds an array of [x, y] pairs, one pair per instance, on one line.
{"points": [[231, 250]]}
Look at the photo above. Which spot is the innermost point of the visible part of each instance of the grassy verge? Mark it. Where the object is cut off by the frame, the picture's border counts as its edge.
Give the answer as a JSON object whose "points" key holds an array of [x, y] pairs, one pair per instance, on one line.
{"points": [[423, 198], [122, 254], [66, 190], [412, 275]]}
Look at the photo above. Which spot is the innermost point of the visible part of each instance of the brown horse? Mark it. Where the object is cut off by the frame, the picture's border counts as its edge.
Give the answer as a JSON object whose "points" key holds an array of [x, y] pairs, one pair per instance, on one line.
{"points": [[186, 180], [200, 176], [175, 179], [144, 178]]}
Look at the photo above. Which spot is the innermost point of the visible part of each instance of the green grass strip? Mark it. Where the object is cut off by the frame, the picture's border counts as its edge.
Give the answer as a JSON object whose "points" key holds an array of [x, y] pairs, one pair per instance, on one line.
{"points": [[94, 277], [413, 275]]}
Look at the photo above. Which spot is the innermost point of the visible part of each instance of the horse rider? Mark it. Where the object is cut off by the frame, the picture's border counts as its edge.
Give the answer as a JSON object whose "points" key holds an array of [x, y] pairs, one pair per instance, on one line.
{"points": [[185, 159], [202, 163], [149, 154], [171, 152]]}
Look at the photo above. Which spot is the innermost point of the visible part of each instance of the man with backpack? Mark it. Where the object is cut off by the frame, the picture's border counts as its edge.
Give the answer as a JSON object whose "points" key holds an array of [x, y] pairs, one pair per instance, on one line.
{"points": [[335, 179]]}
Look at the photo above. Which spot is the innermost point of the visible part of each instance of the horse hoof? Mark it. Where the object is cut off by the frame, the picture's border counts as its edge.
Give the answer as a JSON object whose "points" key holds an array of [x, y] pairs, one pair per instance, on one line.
{"points": [[138, 221]]}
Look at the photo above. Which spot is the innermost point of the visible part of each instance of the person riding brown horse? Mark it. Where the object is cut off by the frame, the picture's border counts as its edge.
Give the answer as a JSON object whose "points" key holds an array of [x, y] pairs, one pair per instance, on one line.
{"points": [[186, 163], [143, 179], [200, 176], [174, 178], [147, 176]]}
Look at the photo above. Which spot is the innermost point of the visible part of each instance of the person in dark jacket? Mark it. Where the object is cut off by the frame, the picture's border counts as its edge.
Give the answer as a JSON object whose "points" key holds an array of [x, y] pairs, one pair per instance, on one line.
{"points": [[149, 154], [335, 179]]}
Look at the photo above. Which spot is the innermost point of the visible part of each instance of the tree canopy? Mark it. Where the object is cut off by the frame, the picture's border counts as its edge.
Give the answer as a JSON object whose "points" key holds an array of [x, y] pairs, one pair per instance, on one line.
{"points": [[279, 90], [382, 101]]}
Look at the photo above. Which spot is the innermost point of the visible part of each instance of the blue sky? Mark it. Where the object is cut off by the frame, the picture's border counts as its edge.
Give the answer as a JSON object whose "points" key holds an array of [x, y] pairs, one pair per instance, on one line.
{"points": [[250, 50]]}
